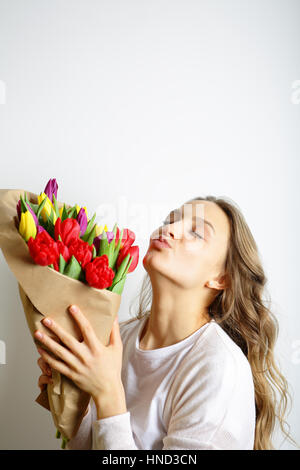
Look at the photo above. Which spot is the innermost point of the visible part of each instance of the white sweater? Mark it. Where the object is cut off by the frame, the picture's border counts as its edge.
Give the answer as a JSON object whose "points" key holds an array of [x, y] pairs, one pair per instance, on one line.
{"points": [[195, 394]]}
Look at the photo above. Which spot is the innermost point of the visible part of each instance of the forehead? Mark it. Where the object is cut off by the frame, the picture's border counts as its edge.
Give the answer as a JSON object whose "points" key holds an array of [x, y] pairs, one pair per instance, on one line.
{"points": [[209, 211]]}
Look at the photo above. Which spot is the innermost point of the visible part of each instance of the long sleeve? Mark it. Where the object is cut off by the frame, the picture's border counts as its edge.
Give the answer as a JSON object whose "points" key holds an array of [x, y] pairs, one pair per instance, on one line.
{"points": [[113, 433]]}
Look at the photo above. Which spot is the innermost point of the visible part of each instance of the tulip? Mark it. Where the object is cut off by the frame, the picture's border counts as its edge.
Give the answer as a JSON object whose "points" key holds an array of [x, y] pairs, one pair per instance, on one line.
{"points": [[27, 227], [33, 214], [99, 229], [82, 220], [46, 211], [78, 209], [39, 229], [51, 188], [133, 253], [127, 239], [68, 230]]}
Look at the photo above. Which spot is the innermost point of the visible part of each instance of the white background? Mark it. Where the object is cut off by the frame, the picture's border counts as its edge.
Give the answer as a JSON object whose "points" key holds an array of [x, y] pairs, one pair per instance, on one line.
{"points": [[150, 103]]}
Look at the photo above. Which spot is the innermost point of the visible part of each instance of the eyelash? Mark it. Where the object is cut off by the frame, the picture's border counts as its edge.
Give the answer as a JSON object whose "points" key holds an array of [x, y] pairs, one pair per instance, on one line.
{"points": [[192, 231]]}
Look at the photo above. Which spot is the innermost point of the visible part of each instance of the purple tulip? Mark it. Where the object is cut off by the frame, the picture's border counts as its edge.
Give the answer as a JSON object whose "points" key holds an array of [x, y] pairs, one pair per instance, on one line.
{"points": [[39, 229], [96, 242], [51, 188], [110, 236], [18, 207], [82, 220]]}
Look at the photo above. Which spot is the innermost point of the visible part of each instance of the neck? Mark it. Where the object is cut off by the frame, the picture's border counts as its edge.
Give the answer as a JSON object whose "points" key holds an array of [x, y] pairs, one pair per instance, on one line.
{"points": [[175, 314]]}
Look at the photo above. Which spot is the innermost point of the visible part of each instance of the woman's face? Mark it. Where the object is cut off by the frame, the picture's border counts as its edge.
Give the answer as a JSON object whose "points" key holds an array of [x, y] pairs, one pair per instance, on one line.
{"points": [[198, 234]]}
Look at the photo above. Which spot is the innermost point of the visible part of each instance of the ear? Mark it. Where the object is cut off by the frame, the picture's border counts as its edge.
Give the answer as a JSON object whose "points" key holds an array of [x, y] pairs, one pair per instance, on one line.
{"points": [[218, 284]]}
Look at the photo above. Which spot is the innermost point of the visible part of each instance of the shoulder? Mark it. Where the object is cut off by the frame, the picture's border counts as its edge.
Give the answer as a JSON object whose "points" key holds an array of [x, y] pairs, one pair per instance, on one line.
{"points": [[216, 347], [213, 369]]}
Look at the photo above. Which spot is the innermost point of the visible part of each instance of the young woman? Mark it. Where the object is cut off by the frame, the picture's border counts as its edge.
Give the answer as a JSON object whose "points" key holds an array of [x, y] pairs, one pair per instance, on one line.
{"points": [[196, 365]]}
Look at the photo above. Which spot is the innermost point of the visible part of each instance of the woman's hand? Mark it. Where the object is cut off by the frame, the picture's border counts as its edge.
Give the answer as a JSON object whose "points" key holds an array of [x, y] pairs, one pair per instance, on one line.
{"points": [[46, 377], [93, 367]]}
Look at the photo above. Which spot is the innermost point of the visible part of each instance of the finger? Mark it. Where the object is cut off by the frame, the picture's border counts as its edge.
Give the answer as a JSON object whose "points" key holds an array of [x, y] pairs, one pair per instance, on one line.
{"points": [[66, 338], [86, 328], [57, 349], [43, 381], [55, 364], [44, 366]]}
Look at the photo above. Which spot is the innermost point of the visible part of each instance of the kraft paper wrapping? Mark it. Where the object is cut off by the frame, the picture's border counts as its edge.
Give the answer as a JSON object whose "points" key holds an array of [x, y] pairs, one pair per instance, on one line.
{"points": [[46, 292]]}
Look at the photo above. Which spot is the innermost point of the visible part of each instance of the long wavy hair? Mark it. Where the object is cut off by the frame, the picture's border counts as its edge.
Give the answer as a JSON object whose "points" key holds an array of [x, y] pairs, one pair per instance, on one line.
{"points": [[245, 316]]}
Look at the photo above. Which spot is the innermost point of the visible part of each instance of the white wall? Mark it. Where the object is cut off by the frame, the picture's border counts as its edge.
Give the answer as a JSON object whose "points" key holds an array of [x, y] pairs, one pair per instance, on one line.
{"points": [[150, 103]]}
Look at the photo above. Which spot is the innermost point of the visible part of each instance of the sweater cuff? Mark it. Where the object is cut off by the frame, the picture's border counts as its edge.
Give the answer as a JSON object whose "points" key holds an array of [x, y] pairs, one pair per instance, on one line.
{"points": [[113, 433]]}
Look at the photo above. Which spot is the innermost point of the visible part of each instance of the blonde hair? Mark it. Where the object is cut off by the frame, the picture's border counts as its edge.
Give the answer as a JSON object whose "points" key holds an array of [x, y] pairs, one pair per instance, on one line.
{"points": [[242, 312]]}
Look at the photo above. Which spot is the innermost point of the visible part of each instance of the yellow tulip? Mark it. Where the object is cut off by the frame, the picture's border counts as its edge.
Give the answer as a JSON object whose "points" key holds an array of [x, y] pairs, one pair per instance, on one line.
{"points": [[99, 229], [27, 227], [60, 211], [46, 211]]}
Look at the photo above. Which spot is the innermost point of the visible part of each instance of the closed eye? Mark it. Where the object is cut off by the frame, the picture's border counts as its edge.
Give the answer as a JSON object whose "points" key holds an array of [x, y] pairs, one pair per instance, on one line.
{"points": [[196, 234]]}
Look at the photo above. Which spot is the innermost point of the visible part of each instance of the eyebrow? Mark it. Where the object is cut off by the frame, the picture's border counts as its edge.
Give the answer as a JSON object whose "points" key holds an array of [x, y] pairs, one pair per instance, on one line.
{"points": [[195, 217]]}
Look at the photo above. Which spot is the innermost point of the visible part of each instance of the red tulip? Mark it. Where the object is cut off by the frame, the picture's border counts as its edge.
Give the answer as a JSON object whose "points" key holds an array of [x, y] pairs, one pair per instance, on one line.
{"points": [[69, 230], [63, 250], [133, 251], [128, 238], [82, 251], [43, 249], [98, 273]]}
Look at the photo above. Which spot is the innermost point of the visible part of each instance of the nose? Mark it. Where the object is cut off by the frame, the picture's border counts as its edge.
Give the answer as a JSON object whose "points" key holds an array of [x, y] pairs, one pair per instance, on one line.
{"points": [[171, 230]]}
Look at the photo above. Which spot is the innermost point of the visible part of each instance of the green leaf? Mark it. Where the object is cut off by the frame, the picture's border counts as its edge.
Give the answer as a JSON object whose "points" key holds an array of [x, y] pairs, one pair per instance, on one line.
{"points": [[62, 264], [49, 226], [91, 236], [41, 206], [72, 212], [24, 208], [118, 288], [121, 270], [73, 268], [64, 214], [94, 252], [55, 206], [128, 266], [58, 434], [51, 217], [104, 245], [116, 250]]}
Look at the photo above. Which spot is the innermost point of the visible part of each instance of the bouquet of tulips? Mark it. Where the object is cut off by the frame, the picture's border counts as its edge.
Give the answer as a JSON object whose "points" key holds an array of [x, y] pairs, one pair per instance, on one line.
{"points": [[60, 257]]}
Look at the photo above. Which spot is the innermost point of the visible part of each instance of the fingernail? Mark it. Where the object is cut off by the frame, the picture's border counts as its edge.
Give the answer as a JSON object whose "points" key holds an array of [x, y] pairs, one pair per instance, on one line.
{"points": [[47, 321], [73, 309]]}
